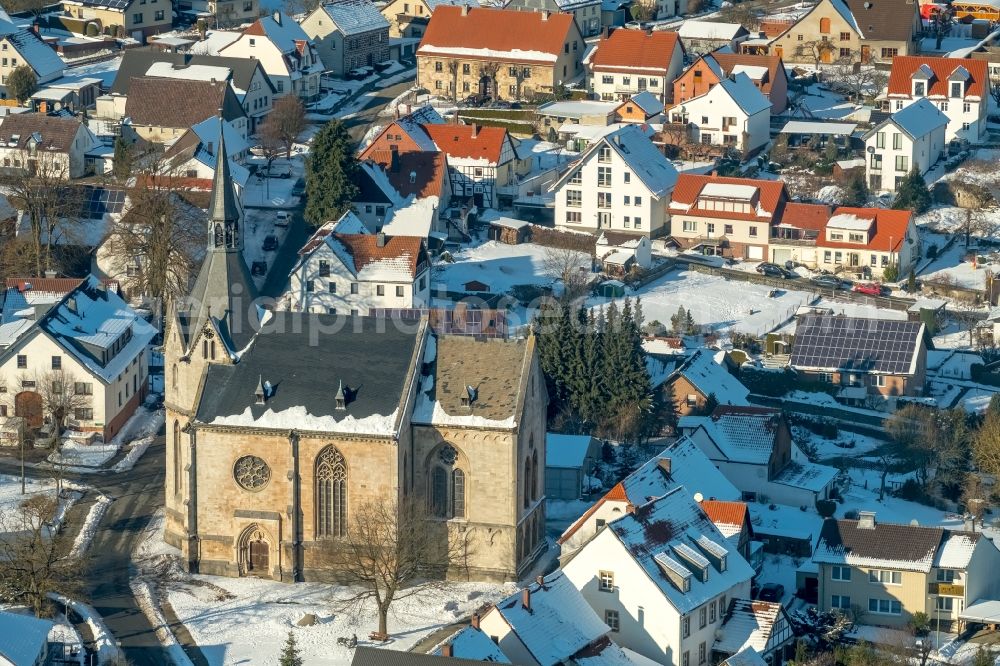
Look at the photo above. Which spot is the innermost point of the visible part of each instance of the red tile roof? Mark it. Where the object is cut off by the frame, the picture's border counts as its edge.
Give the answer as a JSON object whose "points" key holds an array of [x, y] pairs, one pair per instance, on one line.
{"points": [[889, 233], [616, 494], [519, 36], [903, 67], [806, 216], [636, 49], [427, 169], [728, 61], [726, 513], [469, 141], [364, 249], [52, 285], [772, 197]]}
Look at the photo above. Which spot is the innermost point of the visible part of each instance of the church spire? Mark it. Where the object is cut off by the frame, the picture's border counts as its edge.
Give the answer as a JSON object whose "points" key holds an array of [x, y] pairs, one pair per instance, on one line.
{"points": [[223, 211]]}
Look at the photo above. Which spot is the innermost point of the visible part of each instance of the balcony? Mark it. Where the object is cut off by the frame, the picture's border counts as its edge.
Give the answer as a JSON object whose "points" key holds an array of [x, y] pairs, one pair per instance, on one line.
{"points": [[794, 242], [946, 589]]}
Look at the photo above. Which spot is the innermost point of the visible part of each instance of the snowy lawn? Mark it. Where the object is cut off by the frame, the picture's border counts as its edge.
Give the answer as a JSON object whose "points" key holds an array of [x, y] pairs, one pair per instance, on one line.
{"points": [[717, 304], [11, 497], [846, 443], [75, 454], [218, 612], [499, 266]]}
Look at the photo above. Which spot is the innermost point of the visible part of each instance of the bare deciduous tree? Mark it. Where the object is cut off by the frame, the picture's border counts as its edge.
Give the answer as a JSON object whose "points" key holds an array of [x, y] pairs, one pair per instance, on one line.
{"points": [[34, 557], [643, 10], [817, 49], [856, 79], [743, 13], [392, 552], [60, 399], [570, 267], [285, 122], [986, 445]]}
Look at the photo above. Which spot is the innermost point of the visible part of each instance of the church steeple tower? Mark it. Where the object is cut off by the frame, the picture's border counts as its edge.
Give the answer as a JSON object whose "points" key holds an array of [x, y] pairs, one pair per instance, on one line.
{"points": [[225, 233]]}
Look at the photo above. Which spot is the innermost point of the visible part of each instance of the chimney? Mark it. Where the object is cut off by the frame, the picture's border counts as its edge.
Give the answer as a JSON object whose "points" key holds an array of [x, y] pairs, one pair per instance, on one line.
{"points": [[446, 650], [465, 9], [866, 520], [475, 620], [630, 508], [50, 274], [526, 599], [970, 523], [380, 239], [475, 130], [545, 15], [394, 159], [665, 466]]}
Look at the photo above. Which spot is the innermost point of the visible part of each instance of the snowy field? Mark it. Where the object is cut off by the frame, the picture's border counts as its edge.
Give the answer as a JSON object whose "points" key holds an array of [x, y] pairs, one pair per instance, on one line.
{"points": [[218, 611], [499, 266], [76, 454], [11, 497]]}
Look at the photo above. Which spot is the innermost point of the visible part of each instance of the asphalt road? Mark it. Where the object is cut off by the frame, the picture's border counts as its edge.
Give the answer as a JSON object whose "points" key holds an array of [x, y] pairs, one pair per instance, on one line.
{"points": [[359, 123]]}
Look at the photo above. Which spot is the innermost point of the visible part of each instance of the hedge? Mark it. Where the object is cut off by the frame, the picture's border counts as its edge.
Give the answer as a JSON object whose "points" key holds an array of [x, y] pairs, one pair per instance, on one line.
{"points": [[500, 114]]}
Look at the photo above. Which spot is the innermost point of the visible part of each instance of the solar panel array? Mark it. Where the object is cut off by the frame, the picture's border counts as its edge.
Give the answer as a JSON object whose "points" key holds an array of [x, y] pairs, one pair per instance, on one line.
{"points": [[850, 343], [98, 201]]}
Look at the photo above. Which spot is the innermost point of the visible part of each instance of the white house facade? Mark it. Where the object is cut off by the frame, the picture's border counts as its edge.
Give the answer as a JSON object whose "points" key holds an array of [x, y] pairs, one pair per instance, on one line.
{"points": [[913, 138], [958, 87], [735, 114]]}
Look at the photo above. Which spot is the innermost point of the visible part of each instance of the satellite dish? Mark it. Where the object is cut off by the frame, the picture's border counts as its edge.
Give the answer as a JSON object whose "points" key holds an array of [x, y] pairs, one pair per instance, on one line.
{"points": [[698, 497], [871, 149], [868, 5], [914, 523]]}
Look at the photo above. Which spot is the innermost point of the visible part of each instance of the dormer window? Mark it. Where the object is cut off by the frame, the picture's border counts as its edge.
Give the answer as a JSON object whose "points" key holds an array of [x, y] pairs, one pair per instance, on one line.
{"points": [[956, 89], [919, 88]]}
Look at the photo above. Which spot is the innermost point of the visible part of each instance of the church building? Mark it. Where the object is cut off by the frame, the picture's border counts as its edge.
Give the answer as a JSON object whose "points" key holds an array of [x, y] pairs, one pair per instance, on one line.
{"points": [[281, 425]]}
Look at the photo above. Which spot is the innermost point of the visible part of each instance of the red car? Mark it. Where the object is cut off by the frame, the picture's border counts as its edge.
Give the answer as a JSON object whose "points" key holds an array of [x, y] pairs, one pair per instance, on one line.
{"points": [[870, 288]]}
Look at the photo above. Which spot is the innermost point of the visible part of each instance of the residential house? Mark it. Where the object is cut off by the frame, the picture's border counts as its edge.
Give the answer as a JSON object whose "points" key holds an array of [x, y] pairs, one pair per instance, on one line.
{"points": [[889, 571], [681, 465], [524, 624], [24, 640], [569, 461], [704, 379], [767, 72], [862, 356], [959, 87], [20, 46], [287, 54], [124, 18], [622, 182], [408, 18], [418, 174], [868, 240], [639, 108], [910, 139], [666, 560], [753, 447], [55, 146], [587, 13], [745, 657], [624, 251], [628, 62], [354, 273], [726, 216], [498, 53], [191, 159], [348, 34], [193, 102], [866, 31], [88, 341], [223, 12], [376, 198], [795, 236], [733, 520], [734, 114], [468, 643], [702, 37], [252, 86], [759, 626]]}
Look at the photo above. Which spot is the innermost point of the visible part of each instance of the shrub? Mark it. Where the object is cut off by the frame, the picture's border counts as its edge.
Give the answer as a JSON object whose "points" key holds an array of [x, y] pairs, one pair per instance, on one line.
{"points": [[826, 508], [919, 623]]}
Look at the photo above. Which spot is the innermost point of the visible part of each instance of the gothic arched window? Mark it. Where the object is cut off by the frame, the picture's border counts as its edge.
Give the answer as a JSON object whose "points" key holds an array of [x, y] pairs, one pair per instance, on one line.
{"points": [[219, 235], [527, 482], [447, 485], [439, 492], [457, 494], [534, 476], [331, 494], [177, 457]]}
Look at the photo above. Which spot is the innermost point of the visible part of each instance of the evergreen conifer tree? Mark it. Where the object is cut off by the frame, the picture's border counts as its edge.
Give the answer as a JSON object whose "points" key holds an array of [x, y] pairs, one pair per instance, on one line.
{"points": [[290, 655], [912, 193], [330, 171]]}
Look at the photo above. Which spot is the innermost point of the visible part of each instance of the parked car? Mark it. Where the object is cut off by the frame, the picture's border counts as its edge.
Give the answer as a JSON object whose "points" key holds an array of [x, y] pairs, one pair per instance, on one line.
{"points": [[869, 288], [828, 281], [280, 171], [475, 100], [299, 189], [771, 592], [258, 268], [282, 219], [270, 243], [774, 270]]}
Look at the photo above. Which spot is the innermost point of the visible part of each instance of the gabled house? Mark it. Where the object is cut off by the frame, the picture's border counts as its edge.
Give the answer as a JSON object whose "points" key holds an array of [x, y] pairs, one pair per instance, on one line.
{"points": [[727, 216], [704, 379], [865, 31], [417, 173], [910, 139], [587, 13], [760, 626], [640, 108], [51, 145], [348, 34], [192, 102], [733, 520], [223, 12], [287, 54], [87, 341], [868, 240], [622, 183], [705, 36], [376, 198], [734, 114], [133, 19], [682, 464], [191, 159], [862, 356], [498, 53], [620, 252], [472, 644], [409, 18], [350, 274], [20, 46], [753, 447], [959, 87], [889, 571], [628, 62], [767, 72], [666, 560], [795, 237]]}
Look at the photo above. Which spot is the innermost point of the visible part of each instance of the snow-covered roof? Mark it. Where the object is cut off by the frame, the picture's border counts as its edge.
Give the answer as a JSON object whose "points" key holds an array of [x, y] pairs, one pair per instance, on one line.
{"points": [[785, 521], [510, 223], [755, 72], [807, 475], [710, 30], [745, 657], [471, 643], [918, 119], [742, 434], [354, 17], [22, 638], [681, 551], [167, 70], [566, 451], [748, 624], [559, 622], [728, 191], [618, 257], [745, 94], [40, 56], [850, 222], [818, 127], [887, 545], [956, 549], [413, 219], [707, 375], [644, 158], [577, 108]]}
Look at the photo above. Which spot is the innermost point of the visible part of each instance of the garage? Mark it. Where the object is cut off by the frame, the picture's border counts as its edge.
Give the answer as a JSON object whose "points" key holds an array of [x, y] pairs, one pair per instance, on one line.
{"points": [[568, 461]]}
